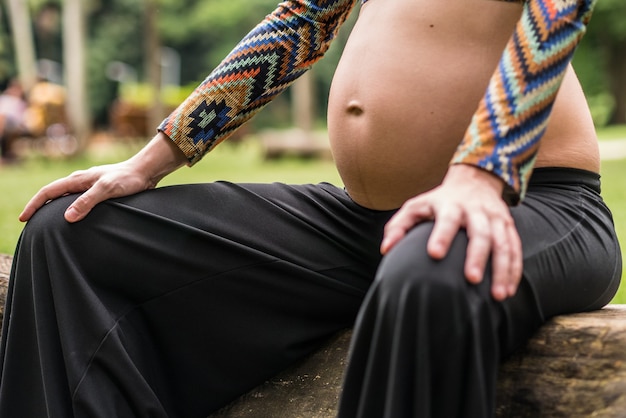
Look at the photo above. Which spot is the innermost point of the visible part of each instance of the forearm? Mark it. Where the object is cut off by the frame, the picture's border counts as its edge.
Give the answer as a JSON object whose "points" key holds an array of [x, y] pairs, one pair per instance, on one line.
{"points": [[261, 66], [505, 131]]}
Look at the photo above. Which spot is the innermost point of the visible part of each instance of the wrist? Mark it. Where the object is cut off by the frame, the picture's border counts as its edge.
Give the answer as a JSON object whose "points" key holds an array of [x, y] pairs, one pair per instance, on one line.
{"points": [[158, 158], [474, 174]]}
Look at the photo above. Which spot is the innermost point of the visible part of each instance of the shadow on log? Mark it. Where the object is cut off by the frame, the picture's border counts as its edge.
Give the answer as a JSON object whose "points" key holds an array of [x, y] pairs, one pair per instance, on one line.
{"points": [[309, 389], [574, 367]]}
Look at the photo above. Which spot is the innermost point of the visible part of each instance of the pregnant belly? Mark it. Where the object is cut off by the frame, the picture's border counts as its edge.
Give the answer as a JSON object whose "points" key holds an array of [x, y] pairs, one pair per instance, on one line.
{"points": [[409, 80]]}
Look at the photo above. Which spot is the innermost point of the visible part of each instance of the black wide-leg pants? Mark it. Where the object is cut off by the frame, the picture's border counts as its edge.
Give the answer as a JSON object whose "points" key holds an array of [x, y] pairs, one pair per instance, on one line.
{"points": [[434, 341], [172, 302]]}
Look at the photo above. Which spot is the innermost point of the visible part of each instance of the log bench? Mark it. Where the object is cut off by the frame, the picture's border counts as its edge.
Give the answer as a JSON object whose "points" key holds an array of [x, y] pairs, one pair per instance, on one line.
{"points": [[294, 143], [574, 367]]}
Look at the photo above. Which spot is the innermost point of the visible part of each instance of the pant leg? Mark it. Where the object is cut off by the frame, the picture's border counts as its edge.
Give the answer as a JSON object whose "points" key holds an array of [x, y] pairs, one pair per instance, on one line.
{"points": [[172, 302], [427, 343]]}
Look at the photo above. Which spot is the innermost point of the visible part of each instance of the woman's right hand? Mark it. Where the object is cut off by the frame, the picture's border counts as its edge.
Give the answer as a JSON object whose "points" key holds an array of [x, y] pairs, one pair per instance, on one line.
{"points": [[141, 172]]}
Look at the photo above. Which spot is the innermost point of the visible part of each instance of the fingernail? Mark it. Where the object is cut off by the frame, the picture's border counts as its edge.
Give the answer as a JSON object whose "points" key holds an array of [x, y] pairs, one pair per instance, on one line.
{"points": [[71, 214], [437, 251], [499, 292]]}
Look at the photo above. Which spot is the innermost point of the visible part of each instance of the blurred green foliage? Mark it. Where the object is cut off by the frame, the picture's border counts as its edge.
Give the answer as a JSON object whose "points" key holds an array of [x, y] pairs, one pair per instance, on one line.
{"points": [[142, 94], [601, 62]]}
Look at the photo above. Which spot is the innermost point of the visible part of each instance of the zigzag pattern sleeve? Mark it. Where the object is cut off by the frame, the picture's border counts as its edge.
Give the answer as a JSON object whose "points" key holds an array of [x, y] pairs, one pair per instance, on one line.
{"points": [[504, 134], [262, 65]]}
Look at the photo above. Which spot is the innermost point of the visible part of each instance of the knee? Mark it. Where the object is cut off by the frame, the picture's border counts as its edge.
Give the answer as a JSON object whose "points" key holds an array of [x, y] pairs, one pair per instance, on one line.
{"points": [[48, 221], [409, 275]]}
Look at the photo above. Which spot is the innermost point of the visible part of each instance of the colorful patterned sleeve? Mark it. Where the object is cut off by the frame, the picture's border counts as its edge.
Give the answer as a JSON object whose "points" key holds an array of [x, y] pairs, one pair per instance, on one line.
{"points": [[504, 134], [262, 65]]}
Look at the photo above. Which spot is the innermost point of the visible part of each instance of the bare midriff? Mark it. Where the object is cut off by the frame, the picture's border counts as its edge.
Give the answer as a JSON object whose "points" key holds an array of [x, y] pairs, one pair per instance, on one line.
{"points": [[411, 77]]}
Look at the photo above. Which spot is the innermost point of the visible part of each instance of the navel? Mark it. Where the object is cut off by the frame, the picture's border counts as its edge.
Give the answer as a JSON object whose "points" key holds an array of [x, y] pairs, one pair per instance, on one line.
{"points": [[355, 108]]}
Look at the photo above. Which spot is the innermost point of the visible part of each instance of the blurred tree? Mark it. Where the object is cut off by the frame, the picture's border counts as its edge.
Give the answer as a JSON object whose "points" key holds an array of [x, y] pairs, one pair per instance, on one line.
{"points": [[601, 62], [211, 29], [153, 48], [6, 66], [115, 51], [75, 70], [48, 31], [611, 31], [23, 42]]}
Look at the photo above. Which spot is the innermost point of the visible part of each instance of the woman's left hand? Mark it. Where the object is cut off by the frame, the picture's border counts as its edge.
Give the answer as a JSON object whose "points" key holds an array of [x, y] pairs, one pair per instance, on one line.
{"points": [[469, 198]]}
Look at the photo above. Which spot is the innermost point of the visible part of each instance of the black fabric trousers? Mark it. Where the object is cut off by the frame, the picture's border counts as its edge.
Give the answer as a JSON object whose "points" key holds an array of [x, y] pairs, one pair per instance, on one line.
{"points": [[434, 341], [173, 302]]}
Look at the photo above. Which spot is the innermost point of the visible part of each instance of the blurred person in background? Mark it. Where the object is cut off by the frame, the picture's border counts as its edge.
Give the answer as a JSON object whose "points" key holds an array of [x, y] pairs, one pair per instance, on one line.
{"points": [[13, 124]]}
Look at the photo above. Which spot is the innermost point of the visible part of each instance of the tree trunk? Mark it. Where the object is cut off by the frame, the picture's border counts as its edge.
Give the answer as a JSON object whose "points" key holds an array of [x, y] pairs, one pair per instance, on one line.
{"points": [[156, 111], [23, 42], [75, 70], [303, 103], [617, 81]]}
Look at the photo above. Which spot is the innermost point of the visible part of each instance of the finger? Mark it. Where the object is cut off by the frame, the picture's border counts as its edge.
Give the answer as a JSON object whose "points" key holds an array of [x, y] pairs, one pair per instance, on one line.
{"points": [[447, 225], [501, 260], [390, 239], [61, 187], [80, 208], [517, 260], [479, 246], [507, 261], [32, 206], [411, 213]]}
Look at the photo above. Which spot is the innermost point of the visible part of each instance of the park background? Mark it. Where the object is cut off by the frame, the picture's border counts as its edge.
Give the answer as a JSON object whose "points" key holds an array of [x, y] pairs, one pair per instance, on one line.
{"points": [[124, 64]]}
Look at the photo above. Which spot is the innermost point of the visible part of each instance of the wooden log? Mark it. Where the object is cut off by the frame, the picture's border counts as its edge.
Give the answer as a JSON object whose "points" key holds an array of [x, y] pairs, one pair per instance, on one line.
{"points": [[574, 367], [5, 268], [294, 143]]}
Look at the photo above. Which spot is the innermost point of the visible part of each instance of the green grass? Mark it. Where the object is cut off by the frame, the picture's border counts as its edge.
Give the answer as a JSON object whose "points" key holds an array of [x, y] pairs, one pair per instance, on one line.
{"points": [[614, 192], [612, 132], [243, 163]]}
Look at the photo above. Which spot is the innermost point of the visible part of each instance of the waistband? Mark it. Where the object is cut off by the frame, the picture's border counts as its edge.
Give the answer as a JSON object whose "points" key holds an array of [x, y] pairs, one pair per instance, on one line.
{"points": [[565, 175]]}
